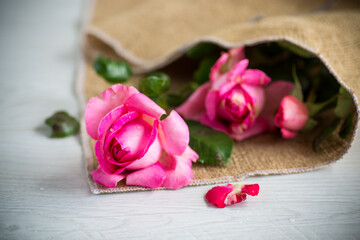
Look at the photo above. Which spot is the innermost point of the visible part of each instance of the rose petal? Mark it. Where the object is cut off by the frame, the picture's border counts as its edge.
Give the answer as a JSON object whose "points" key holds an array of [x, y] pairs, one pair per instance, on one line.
{"points": [[211, 103], [107, 180], [215, 124], [151, 157], [259, 127], [274, 93], [218, 194], [255, 77], [222, 196], [257, 95], [136, 137], [251, 189], [151, 177], [178, 171], [101, 146], [141, 103], [174, 134], [215, 71], [287, 133], [97, 108], [235, 55], [194, 107], [236, 71]]}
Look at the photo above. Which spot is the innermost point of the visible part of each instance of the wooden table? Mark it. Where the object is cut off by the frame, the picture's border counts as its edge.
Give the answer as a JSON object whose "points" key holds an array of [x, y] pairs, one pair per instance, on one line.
{"points": [[43, 189]]}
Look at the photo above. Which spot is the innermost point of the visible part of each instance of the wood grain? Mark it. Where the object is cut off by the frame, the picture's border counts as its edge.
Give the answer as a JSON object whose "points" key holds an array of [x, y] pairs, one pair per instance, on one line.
{"points": [[43, 188]]}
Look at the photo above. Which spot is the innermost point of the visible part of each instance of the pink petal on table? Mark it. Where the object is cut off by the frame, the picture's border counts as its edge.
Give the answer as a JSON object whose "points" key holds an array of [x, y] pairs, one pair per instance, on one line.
{"points": [[236, 72], [255, 77], [194, 107], [218, 194], [107, 180], [216, 70], [211, 103], [174, 134], [274, 93], [141, 103], [151, 157], [259, 127], [178, 171], [151, 177], [97, 108], [251, 189]]}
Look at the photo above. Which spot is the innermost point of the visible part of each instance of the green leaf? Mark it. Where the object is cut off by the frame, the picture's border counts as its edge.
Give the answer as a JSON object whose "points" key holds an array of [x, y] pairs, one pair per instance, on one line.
{"points": [[202, 50], [315, 108], [174, 100], [212, 146], [154, 84], [310, 124], [62, 125], [295, 49], [344, 104], [347, 126], [112, 71], [202, 73], [297, 90], [160, 100], [325, 133]]}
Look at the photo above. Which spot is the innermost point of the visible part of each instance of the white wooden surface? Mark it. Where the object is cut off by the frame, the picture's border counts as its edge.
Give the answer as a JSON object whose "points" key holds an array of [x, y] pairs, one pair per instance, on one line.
{"points": [[43, 188]]}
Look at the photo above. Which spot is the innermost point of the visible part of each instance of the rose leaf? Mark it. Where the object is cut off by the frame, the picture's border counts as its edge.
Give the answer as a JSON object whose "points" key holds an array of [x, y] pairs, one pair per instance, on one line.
{"points": [[62, 125], [212, 146], [112, 71]]}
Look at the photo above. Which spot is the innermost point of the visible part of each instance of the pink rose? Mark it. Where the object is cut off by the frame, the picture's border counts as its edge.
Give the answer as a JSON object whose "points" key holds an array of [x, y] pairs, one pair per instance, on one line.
{"points": [[222, 196], [291, 116], [131, 138], [232, 100]]}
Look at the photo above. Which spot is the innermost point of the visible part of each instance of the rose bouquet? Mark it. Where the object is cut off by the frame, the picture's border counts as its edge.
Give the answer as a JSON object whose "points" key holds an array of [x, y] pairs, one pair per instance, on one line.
{"points": [[151, 137]]}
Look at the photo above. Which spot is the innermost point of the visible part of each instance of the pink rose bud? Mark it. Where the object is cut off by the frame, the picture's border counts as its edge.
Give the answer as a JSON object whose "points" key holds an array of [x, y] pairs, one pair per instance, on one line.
{"points": [[291, 116], [232, 100], [131, 139], [222, 196]]}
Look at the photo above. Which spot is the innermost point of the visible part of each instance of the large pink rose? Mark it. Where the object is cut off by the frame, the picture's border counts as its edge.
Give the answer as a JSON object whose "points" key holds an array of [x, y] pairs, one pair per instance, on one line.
{"points": [[131, 138], [236, 100]]}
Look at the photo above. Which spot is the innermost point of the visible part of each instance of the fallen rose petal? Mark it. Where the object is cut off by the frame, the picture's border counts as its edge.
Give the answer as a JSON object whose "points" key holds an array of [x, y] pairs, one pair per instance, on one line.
{"points": [[222, 196], [151, 177], [107, 180]]}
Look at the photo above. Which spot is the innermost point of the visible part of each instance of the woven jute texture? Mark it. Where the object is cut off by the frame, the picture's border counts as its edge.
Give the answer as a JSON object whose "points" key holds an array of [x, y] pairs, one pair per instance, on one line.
{"points": [[154, 34]]}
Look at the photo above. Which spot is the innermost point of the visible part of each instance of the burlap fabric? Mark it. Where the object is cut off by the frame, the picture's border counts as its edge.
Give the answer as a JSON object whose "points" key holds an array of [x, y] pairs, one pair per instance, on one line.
{"points": [[154, 34]]}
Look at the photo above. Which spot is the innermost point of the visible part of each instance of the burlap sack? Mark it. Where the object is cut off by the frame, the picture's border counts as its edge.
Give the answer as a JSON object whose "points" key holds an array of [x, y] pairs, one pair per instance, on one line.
{"points": [[152, 34]]}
